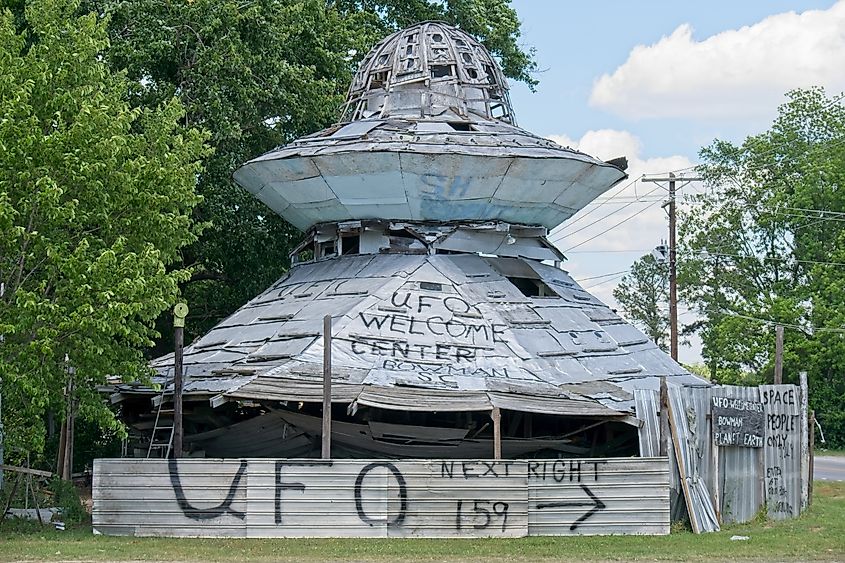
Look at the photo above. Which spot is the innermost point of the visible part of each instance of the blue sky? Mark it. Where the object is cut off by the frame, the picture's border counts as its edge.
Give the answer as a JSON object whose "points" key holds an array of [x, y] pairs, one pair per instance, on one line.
{"points": [[656, 81]]}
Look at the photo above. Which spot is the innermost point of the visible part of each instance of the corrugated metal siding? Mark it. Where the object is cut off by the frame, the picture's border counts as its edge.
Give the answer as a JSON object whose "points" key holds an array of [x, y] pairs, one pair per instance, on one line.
{"points": [[687, 414], [378, 498], [782, 452], [647, 406], [628, 496], [740, 469], [145, 498]]}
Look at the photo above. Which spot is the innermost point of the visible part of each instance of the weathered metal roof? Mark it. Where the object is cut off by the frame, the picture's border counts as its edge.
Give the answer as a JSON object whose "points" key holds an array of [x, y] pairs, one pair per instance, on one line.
{"points": [[430, 333], [432, 138], [426, 69], [392, 170]]}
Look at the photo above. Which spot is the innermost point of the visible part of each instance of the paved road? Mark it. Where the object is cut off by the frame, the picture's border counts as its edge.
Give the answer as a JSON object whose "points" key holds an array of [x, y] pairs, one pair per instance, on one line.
{"points": [[829, 468]]}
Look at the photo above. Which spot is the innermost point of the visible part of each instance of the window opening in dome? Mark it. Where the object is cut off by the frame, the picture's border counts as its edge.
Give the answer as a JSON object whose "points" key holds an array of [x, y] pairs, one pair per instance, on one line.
{"points": [[327, 249], [411, 38], [439, 71], [350, 244], [472, 73], [532, 288], [438, 38], [382, 59], [460, 43], [409, 50], [410, 63], [461, 126], [378, 79], [466, 57]]}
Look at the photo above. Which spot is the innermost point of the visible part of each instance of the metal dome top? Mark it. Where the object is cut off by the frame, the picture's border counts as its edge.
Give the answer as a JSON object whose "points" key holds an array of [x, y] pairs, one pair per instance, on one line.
{"points": [[427, 70]]}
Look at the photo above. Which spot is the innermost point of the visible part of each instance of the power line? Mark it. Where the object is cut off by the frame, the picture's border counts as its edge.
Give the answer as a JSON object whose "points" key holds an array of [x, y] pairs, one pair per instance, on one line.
{"points": [[594, 208], [587, 226], [625, 220], [605, 281], [765, 258], [628, 251], [603, 275], [810, 329]]}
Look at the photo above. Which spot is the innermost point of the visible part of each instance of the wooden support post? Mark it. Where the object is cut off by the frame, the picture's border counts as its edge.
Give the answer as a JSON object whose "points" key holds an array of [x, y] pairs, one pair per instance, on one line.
{"points": [[180, 311], [811, 427], [778, 379], [806, 476], [664, 418], [178, 428], [327, 387], [496, 415], [65, 465]]}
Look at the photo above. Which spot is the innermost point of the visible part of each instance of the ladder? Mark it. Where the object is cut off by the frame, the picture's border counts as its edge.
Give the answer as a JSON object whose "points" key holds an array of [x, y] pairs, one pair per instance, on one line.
{"points": [[161, 440]]}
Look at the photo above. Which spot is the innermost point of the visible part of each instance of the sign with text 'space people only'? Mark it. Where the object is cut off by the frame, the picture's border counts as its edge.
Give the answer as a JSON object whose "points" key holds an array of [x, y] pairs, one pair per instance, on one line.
{"points": [[737, 422]]}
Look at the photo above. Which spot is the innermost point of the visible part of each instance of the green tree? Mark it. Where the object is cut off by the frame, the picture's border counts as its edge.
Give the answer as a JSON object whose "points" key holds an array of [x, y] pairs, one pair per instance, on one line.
{"points": [[257, 75], [766, 244], [643, 294], [96, 201]]}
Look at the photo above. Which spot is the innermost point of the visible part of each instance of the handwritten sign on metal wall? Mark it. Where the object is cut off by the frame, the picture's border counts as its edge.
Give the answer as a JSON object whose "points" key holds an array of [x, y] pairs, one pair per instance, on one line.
{"points": [[381, 498], [737, 422]]}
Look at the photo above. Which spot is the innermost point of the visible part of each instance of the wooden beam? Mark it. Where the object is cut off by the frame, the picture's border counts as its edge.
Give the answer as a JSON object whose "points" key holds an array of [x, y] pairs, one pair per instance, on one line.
{"points": [[664, 418], [496, 415], [811, 428], [218, 400], [327, 387], [27, 470], [178, 429]]}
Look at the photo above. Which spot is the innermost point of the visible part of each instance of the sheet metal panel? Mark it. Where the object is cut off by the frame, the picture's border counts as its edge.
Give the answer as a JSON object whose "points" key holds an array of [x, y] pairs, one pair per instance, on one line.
{"points": [[437, 323], [598, 496], [685, 412], [190, 498], [380, 498], [740, 489], [647, 406], [782, 452]]}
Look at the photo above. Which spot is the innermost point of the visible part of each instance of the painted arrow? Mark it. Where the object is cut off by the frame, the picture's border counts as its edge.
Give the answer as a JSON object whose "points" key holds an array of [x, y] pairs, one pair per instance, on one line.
{"points": [[596, 503]]}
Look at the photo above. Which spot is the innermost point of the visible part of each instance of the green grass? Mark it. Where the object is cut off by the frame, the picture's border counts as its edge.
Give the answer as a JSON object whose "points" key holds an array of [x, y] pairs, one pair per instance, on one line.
{"points": [[822, 452], [818, 535]]}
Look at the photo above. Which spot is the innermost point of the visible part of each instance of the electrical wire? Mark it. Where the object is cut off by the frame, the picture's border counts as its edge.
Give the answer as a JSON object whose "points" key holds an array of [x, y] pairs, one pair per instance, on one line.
{"points": [[588, 225], [625, 220], [764, 258], [597, 206], [605, 281], [603, 275], [786, 325]]}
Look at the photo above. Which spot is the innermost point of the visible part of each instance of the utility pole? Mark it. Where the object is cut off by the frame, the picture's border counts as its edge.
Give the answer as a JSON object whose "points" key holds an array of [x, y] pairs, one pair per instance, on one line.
{"points": [[778, 354], [673, 274], [180, 311], [673, 279]]}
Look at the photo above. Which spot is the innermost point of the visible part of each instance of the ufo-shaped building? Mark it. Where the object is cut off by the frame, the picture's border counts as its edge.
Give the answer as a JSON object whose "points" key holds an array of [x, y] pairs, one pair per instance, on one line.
{"points": [[425, 214]]}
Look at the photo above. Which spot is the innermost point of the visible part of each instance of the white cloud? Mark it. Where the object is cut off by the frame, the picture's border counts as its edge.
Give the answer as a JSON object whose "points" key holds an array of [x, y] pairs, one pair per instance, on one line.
{"points": [[609, 234], [738, 73]]}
